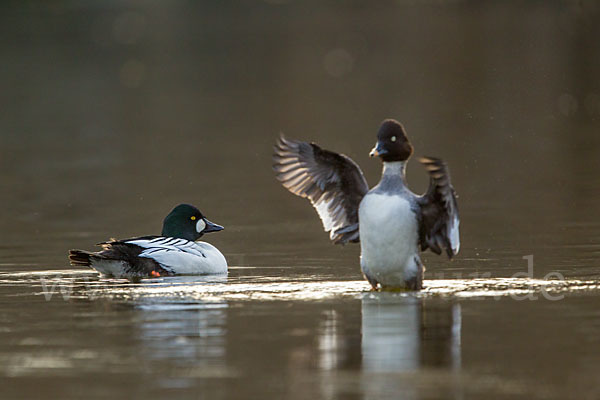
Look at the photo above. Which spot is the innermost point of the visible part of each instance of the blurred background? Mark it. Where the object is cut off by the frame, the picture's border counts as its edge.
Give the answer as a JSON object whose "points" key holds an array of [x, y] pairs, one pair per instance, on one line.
{"points": [[112, 112]]}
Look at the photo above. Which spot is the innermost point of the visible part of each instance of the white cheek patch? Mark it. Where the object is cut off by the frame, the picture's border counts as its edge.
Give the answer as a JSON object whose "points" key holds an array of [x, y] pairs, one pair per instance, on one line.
{"points": [[200, 225]]}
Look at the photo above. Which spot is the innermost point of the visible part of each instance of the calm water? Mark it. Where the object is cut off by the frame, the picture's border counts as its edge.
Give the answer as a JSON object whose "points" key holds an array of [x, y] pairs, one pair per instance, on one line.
{"points": [[113, 112]]}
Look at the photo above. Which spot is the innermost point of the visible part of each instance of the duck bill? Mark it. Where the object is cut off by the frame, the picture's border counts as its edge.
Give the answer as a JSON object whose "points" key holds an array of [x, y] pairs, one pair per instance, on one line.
{"points": [[211, 227], [378, 150]]}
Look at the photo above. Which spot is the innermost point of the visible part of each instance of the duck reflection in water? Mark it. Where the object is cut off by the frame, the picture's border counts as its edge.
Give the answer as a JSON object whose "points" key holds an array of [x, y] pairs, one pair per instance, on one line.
{"points": [[409, 333], [404, 343], [408, 344]]}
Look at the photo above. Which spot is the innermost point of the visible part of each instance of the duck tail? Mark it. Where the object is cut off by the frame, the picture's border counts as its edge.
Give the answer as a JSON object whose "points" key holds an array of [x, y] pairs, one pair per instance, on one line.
{"points": [[81, 258]]}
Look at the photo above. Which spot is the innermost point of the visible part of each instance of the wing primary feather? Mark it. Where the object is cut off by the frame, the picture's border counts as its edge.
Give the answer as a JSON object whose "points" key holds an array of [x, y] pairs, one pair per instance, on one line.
{"points": [[332, 182], [439, 210]]}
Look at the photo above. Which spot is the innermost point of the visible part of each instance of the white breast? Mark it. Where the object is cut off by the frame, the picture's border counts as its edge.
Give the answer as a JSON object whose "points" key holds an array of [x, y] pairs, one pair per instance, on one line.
{"points": [[388, 238], [184, 257]]}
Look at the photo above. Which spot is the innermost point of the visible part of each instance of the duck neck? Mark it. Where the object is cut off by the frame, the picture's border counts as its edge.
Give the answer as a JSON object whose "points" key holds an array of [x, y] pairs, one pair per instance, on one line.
{"points": [[392, 177], [394, 169]]}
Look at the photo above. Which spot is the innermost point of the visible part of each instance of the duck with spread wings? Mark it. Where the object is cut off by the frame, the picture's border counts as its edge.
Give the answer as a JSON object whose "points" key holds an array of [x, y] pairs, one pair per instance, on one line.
{"points": [[392, 223]]}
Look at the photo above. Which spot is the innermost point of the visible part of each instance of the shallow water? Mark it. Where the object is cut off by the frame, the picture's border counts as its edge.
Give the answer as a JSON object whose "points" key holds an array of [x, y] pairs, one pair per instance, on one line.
{"points": [[248, 336], [114, 113]]}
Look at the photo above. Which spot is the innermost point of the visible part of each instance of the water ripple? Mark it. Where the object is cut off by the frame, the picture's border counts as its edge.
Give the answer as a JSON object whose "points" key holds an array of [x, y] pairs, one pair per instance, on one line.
{"points": [[78, 285]]}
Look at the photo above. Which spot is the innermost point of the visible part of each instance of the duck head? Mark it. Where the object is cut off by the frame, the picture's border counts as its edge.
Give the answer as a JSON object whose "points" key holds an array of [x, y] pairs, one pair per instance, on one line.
{"points": [[392, 143], [187, 222]]}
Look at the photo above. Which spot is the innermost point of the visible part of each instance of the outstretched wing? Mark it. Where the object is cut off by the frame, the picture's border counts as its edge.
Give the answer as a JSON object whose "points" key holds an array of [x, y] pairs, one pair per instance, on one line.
{"points": [[439, 210], [332, 182]]}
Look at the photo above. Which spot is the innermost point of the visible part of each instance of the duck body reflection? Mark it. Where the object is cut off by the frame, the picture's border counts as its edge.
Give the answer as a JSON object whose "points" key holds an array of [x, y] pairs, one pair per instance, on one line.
{"points": [[403, 334], [403, 338]]}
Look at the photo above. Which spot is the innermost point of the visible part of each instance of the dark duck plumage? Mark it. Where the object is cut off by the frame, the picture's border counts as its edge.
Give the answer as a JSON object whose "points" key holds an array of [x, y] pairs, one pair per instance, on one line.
{"points": [[175, 252], [390, 221]]}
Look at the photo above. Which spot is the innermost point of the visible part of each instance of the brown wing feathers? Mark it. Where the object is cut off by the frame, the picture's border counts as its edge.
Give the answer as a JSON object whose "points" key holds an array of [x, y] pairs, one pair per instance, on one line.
{"points": [[332, 182], [439, 210]]}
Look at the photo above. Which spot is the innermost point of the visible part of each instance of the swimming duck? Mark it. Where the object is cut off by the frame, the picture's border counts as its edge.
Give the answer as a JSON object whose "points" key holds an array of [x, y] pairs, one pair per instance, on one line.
{"points": [[175, 252], [389, 221]]}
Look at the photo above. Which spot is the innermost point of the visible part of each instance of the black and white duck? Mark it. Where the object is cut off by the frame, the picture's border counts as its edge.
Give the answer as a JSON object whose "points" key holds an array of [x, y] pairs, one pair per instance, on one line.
{"points": [[175, 252]]}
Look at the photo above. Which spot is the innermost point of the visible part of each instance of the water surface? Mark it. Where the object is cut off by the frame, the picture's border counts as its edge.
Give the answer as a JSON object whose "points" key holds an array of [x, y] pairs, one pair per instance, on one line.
{"points": [[115, 112]]}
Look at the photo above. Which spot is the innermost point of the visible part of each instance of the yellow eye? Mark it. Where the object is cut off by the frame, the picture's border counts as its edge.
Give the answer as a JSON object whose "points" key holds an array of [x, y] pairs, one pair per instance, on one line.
{"points": [[193, 217], [393, 138]]}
